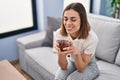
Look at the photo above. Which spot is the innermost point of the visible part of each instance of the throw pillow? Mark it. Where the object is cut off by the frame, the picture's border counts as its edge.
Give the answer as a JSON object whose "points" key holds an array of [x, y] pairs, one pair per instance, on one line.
{"points": [[52, 25]]}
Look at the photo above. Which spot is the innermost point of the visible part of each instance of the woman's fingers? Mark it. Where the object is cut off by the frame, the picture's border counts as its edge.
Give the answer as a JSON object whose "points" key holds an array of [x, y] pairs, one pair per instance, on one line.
{"points": [[56, 45], [67, 48], [57, 48]]}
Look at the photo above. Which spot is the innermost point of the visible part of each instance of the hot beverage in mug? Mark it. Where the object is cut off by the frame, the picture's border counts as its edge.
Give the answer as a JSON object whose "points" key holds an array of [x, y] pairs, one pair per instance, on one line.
{"points": [[63, 44]]}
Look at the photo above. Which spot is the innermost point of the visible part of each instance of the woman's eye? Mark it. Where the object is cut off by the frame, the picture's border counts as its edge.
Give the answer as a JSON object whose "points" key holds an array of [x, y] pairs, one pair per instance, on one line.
{"points": [[73, 20], [65, 19]]}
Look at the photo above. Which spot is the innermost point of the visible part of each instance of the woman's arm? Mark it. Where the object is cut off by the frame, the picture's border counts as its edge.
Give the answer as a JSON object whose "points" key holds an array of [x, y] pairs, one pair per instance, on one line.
{"points": [[81, 61], [62, 61]]}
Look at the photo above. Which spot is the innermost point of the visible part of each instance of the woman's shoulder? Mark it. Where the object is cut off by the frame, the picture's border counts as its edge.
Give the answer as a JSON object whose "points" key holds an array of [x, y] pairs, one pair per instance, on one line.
{"points": [[92, 35], [57, 32]]}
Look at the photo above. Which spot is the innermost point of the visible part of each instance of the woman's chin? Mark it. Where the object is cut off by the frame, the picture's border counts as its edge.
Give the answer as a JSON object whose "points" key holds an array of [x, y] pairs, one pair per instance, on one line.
{"points": [[68, 32]]}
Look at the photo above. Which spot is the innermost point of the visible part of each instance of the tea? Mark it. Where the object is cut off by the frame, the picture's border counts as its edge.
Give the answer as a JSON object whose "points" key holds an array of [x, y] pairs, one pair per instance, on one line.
{"points": [[63, 43]]}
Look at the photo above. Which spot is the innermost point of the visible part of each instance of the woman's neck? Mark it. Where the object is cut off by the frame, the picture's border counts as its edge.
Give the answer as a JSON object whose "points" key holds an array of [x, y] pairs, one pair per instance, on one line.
{"points": [[74, 36]]}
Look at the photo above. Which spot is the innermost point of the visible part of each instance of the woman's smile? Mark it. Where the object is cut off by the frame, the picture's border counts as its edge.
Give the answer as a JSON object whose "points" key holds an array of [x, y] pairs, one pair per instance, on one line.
{"points": [[69, 29]]}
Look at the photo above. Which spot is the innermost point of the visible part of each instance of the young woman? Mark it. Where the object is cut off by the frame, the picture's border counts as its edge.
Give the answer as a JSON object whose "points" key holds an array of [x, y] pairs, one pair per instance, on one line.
{"points": [[81, 64]]}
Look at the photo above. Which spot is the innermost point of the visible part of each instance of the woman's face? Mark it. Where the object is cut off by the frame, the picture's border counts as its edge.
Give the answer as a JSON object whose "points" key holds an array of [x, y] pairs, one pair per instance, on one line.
{"points": [[72, 22]]}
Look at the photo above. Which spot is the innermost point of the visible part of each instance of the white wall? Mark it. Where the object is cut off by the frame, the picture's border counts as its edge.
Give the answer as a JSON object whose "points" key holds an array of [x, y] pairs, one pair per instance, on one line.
{"points": [[96, 6], [46, 8], [40, 14], [86, 3]]}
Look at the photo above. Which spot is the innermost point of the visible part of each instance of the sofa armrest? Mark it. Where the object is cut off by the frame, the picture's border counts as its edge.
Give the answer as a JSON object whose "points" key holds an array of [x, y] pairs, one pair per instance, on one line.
{"points": [[27, 42], [31, 41]]}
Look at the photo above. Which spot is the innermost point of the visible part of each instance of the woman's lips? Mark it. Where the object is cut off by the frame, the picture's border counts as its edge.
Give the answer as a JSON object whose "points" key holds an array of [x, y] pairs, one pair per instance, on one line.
{"points": [[69, 29]]}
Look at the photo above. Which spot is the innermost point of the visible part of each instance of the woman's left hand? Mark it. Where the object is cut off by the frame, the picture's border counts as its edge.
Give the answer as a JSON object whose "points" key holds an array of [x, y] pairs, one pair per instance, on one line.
{"points": [[71, 50]]}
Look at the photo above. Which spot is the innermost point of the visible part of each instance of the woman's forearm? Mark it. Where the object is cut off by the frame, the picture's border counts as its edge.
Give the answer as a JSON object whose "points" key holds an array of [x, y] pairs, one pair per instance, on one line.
{"points": [[79, 63], [62, 61]]}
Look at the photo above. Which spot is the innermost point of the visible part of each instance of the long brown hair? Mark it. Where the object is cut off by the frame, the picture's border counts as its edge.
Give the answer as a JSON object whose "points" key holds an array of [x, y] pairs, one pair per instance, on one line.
{"points": [[84, 27]]}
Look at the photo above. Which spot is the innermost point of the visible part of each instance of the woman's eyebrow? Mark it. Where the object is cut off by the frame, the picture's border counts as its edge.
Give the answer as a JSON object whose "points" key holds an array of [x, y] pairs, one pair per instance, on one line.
{"points": [[65, 16], [70, 17], [73, 17]]}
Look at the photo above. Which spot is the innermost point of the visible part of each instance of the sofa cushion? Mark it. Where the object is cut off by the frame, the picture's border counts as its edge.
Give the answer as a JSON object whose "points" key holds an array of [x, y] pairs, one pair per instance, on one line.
{"points": [[52, 25], [108, 32], [42, 57], [117, 61], [108, 71]]}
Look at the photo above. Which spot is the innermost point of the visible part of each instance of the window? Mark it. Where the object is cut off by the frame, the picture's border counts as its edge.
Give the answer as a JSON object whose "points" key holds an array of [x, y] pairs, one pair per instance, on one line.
{"points": [[110, 8], [17, 16]]}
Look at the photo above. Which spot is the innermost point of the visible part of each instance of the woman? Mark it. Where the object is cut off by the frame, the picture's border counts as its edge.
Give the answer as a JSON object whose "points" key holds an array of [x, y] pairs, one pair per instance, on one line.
{"points": [[81, 64]]}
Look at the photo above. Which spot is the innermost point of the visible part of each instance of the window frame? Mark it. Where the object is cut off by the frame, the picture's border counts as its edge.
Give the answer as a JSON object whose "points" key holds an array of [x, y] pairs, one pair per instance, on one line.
{"points": [[19, 31]]}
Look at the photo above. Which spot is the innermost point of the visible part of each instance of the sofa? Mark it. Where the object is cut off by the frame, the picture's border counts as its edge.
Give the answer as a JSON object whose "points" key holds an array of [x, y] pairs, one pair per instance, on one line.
{"points": [[38, 59]]}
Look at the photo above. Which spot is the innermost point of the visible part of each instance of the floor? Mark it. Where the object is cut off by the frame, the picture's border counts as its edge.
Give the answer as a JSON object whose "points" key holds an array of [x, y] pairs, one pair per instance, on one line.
{"points": [[17, 66]]}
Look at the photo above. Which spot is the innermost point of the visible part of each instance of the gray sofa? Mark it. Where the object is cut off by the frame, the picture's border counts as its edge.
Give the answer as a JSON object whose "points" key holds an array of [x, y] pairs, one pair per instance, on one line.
{"points": [[37, 58]]}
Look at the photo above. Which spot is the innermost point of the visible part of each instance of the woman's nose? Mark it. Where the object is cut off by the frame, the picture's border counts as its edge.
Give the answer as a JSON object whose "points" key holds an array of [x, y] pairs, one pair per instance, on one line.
{"points": [[68, 22]]}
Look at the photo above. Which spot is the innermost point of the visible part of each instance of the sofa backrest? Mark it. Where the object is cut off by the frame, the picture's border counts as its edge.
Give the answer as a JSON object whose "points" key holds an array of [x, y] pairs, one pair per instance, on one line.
{"points": [[108, 32], [117, 60]]}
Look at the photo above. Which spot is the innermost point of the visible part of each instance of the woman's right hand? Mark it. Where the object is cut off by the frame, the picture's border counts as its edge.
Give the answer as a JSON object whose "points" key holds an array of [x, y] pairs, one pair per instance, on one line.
{"points": [[62, 61], [58, 49]]}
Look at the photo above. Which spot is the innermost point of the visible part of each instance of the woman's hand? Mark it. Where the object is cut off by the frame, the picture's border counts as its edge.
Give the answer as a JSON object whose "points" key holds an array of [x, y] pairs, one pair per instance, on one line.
{"points": [[71, 50], [57, 46], [62, 61]]}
